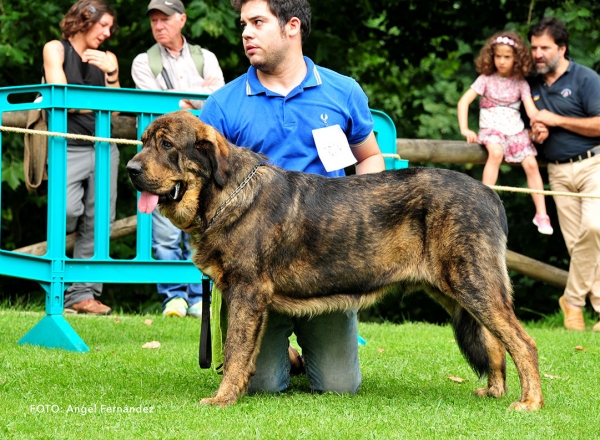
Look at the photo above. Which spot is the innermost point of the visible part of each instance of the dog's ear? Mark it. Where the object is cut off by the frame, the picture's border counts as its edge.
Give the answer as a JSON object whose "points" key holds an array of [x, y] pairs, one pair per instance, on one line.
{"points": [[216, 148]]}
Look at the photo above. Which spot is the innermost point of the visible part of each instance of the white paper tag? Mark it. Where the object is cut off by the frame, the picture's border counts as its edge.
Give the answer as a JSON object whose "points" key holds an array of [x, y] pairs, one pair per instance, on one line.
{"points": [[333, 148]]}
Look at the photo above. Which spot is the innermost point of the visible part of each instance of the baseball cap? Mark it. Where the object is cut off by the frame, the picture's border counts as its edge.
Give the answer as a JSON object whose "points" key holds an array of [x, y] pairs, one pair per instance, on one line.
{"points": [[169, 7]]}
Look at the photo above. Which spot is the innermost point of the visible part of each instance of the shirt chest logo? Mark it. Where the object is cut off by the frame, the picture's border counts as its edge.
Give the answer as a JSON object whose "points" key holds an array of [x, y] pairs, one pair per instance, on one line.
{"points": [[565, 93]]}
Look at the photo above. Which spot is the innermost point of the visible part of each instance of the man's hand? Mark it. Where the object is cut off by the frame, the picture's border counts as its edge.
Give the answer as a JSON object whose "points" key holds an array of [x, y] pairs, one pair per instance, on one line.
{"points": [[540, 132], [547, 118]]}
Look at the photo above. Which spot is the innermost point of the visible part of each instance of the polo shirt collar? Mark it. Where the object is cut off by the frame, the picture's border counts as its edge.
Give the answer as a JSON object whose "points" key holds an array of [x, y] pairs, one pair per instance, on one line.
{"points": [[254, 86]]}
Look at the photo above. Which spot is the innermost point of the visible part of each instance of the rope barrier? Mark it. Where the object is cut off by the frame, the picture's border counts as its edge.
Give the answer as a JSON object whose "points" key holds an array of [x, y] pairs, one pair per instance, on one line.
{"points": [[70, 136], [387, 155]]}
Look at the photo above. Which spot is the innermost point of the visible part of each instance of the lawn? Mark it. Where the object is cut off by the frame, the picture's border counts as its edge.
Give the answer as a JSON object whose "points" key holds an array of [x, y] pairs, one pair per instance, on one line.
{"points": [[120, 390]]}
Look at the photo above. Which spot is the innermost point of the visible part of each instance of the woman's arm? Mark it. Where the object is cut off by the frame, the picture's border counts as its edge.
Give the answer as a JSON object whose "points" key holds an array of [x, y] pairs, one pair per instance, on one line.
{"points": [[105, 61], [54, 57]]}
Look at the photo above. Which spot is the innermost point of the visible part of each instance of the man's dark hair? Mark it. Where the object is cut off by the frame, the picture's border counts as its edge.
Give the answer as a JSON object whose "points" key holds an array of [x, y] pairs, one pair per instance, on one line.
{"points": [[553, 27], [284, 10]]}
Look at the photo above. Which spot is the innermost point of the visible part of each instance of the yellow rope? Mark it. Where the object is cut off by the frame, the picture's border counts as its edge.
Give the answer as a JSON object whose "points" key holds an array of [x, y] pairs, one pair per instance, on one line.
{"points": [[386, 155], [71, 136], [546, 193]]}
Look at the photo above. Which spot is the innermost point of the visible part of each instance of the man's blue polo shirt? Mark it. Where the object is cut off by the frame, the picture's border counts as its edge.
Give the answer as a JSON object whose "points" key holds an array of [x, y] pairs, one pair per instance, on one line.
{"points": [[280, 127], [576, 94]]}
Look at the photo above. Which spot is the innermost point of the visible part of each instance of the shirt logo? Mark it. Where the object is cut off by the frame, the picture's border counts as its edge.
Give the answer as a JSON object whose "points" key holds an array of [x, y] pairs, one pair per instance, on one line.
{"points": [[566, 93], [536, 97], [324, 118]]}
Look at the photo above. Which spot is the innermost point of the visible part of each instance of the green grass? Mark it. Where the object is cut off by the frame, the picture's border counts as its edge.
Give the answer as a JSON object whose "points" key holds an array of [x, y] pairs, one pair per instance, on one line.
{"points": [[405, 393]]}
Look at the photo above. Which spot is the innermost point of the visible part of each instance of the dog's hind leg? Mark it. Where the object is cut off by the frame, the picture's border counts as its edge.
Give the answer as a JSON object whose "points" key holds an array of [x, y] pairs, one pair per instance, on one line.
{"points": [[500, 320], [484, 352], [246, 325], [522, 348]]}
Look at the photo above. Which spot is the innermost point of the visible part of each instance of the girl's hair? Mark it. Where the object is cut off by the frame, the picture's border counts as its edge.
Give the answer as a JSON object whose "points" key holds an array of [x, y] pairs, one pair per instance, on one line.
{"points": [[523, 63], [83, 15]]}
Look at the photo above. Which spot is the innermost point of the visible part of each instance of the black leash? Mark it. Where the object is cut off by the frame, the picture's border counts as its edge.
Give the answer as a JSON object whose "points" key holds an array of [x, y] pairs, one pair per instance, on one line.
{"points": [[205, 355]]}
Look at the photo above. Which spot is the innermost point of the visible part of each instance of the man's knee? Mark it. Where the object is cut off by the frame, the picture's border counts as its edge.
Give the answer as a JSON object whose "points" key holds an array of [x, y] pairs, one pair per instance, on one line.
{"points": [[346, 382]]}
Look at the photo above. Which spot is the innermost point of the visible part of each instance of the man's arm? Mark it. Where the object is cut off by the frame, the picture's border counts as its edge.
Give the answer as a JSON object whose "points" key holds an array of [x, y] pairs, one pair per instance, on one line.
{"points": [[142, 74], [369, 157], [589, 127]]}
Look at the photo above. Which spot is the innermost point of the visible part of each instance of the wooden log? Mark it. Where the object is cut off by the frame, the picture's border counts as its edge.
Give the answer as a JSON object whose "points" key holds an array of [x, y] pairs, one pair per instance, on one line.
{"points": [[520, 263], [121, 228], [536, 269]]}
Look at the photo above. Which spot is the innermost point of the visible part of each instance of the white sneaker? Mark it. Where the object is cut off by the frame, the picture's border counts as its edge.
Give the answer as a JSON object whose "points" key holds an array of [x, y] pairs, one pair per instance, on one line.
{"points": [[543, 224], [176, 307]]}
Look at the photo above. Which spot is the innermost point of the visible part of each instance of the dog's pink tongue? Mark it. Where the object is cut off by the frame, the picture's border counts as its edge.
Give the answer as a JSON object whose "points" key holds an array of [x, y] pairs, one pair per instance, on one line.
{"points": [[147, 202]]}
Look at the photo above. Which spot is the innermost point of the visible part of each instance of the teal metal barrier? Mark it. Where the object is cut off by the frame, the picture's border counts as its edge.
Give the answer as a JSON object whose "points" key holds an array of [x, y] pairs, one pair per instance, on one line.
{"points": [[54, 271]]}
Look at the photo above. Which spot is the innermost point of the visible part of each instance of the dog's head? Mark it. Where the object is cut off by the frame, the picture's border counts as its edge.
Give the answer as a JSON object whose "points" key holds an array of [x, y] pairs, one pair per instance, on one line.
{"points": [[180, 156]]}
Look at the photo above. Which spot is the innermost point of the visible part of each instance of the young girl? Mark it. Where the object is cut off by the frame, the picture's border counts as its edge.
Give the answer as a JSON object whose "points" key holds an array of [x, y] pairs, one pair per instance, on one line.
{"points": [[503, 63]]}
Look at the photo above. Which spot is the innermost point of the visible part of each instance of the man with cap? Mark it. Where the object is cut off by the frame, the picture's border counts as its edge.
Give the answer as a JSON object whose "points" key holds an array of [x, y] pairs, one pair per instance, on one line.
{"points": [[188, 68]]}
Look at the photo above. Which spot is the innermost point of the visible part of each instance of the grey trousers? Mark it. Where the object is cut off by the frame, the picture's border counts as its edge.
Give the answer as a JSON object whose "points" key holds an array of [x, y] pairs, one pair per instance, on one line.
{"points": [[81, 185]]}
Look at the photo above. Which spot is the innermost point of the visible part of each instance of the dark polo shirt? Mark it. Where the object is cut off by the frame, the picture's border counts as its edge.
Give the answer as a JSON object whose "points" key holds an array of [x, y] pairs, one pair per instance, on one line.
{"points": [[575, 94]]}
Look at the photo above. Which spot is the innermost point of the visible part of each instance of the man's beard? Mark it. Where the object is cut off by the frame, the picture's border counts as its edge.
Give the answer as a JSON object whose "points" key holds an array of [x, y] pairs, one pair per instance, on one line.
{"points": [[268, 64], [550, 66]]}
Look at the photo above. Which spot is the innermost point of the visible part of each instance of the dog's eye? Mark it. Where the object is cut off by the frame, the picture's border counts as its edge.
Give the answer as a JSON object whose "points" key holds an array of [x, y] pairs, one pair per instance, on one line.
{"points": [[166, 145]]}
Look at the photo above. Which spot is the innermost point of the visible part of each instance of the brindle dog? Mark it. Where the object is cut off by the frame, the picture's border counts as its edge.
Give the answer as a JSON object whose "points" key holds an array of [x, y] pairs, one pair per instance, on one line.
{"points": [[303, 244]]}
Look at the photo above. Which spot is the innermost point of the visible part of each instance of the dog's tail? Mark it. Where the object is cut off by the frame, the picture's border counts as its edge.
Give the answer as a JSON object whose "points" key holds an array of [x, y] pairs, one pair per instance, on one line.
{"points": [[470, 337]]}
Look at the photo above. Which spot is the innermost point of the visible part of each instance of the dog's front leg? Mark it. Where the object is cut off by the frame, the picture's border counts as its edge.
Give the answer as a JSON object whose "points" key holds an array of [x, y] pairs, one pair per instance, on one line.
{"points": [[246, 324]]}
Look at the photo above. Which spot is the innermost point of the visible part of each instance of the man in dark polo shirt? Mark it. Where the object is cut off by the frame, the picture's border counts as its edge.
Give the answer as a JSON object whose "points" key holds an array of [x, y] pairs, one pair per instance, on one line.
{"points": [[568, 97]]}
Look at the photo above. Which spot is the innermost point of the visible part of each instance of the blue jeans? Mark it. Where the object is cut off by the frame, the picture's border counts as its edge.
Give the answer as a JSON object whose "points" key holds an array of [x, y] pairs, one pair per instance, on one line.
{"points": [[167, 243], [329, 347]]}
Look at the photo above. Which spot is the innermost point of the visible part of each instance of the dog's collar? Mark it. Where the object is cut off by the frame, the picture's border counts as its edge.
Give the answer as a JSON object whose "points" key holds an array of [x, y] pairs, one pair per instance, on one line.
{"points": [[235, 192]]}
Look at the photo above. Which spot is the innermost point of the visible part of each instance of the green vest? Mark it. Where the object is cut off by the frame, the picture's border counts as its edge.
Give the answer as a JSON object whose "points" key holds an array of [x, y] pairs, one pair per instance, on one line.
{"points": [[156, 65]]}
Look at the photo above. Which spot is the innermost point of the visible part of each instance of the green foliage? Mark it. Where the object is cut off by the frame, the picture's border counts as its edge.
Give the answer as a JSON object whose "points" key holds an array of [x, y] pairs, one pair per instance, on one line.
{"points": [[414, 60]]}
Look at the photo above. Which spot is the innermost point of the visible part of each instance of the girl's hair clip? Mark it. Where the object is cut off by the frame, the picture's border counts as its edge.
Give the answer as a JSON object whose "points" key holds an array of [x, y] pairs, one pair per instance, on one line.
{"points": [[91, 9]]}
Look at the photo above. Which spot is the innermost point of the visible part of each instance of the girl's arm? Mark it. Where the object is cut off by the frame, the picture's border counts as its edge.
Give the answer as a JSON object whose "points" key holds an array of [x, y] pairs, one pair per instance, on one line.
{"points": [[539, 132], [530, 107], [463, 115]]}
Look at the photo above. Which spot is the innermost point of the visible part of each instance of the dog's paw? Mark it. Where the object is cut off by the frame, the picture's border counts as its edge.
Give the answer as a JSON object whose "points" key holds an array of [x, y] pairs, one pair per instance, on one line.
{"points": [[215, 401], [489, 392], [530, 405]]}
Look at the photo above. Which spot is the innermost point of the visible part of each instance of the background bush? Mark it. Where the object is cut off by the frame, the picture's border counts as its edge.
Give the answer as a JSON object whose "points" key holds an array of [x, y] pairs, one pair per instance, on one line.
{"points": [[414, 60]]}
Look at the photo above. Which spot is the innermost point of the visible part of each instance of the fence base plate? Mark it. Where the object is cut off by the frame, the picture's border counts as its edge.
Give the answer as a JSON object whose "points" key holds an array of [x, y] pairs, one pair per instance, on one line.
{"points": [[53, 331]]}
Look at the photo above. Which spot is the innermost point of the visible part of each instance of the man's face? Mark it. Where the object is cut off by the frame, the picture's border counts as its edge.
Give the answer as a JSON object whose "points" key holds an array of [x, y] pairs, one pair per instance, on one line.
{"points": [[167, 28], [265, 43], [546, 53]]}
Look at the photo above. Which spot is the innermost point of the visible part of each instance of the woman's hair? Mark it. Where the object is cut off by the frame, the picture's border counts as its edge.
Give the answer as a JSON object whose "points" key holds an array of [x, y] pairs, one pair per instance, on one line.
{"points": [[284, 10], [83, 15], [523, 63]]}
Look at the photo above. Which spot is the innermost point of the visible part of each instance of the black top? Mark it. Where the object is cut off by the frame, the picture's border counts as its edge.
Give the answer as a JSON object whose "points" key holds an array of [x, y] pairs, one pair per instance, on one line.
{"points": [[80, 73], [576, 94]]}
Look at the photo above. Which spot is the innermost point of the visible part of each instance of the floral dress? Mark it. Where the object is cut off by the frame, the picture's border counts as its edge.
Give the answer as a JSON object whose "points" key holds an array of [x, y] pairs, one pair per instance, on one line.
{"points": [[499, 117]]}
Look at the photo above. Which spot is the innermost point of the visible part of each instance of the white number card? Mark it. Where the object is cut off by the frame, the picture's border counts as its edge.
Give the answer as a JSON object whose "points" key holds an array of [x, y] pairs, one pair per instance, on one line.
{"points": [[333, 148]]}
